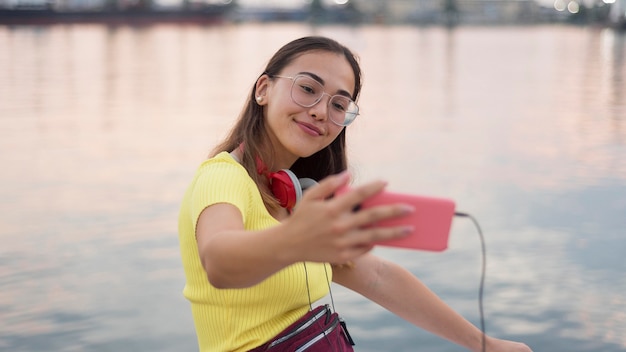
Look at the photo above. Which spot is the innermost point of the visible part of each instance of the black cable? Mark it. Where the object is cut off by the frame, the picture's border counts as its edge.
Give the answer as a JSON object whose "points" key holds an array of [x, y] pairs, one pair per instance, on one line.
{"points": [[308, 291], [332, 300], [481, 288]]}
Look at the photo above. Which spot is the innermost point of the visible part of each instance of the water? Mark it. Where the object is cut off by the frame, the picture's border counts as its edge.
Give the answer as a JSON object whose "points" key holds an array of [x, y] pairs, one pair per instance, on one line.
{"points": [[101, 129]]}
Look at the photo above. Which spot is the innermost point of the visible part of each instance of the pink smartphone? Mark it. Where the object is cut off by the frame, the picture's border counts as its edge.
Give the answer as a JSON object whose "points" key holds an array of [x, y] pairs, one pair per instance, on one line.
{"points": [[431, 220]]}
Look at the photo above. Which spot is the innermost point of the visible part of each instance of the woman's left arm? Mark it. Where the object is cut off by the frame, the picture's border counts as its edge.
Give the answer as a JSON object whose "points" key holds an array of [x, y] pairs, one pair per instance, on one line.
{"points": [[396, 289]]}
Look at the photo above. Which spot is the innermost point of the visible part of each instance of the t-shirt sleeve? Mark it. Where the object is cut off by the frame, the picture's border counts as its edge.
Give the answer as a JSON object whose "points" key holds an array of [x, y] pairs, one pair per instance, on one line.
{"points": [[220, 182]]}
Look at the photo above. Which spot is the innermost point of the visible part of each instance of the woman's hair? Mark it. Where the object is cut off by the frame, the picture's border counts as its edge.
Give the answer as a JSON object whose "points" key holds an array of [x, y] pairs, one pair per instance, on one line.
{"points": [[250, 128]]}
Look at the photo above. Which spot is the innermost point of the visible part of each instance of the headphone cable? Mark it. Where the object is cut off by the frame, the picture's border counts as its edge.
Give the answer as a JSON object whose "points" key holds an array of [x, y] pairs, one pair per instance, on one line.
{"points": [[481, 287]]}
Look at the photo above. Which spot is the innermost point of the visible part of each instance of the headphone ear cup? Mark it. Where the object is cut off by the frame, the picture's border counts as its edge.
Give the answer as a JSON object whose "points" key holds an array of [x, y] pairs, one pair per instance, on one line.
{"points": [[306, 183], [286, 188]]}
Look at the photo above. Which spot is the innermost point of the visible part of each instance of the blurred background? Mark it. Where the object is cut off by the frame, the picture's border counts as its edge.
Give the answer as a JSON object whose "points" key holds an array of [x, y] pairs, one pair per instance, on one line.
{"points": [[420, 12], [514, 109]]}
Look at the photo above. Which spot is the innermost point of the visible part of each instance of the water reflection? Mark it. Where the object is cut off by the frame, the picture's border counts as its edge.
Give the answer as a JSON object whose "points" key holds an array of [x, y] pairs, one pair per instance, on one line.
{"points": [[101, 128]]}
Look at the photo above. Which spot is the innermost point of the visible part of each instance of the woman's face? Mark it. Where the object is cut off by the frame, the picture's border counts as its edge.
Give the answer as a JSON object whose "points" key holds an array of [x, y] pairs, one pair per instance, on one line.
{"points": [[297, 131]]}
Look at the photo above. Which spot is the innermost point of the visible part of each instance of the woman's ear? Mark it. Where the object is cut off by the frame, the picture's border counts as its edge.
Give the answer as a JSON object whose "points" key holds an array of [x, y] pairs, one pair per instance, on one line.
{"points": [[260, 93]]}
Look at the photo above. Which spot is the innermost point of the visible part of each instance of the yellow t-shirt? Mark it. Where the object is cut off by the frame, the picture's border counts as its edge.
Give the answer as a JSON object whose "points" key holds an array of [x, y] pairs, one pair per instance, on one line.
{"points": [[240, 319]]}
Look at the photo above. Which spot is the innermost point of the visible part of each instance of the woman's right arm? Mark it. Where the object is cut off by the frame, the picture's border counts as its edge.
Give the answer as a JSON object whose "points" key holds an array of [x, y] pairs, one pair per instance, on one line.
{"points": [[319, 230], [233, 257]]}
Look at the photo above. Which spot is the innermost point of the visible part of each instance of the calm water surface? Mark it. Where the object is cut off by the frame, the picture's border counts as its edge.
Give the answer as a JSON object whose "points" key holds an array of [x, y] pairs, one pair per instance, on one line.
{"points": [[525, 127]]}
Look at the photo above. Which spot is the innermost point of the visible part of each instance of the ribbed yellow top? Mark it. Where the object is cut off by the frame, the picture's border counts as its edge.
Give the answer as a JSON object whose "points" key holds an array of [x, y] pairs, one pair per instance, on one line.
{"points": [[240, 319]]}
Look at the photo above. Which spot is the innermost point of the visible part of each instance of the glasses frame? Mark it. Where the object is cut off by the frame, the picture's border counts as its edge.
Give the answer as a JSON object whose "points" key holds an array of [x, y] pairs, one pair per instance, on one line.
{"points": [[293, 82]]}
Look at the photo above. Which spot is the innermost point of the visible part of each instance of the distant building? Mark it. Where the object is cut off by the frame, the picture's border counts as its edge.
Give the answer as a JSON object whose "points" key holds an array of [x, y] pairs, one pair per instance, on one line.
{"points": [[617, 14], [466, 11]]}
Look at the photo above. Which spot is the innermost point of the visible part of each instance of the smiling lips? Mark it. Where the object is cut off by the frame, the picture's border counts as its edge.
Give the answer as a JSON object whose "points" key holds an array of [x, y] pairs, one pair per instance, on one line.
{"points": [[310, 129]]}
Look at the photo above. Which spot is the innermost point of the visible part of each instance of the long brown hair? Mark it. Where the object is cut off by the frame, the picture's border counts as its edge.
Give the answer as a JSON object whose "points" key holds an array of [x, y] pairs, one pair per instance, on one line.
{"points": [[250, 128]]}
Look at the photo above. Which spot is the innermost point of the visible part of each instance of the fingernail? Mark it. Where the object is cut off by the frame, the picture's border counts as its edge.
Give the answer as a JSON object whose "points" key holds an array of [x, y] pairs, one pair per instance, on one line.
{"points": [[407, 230], [407, 209]]}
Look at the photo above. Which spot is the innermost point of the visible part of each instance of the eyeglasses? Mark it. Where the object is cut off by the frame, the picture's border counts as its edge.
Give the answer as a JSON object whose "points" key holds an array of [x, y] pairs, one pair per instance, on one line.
{"points": [[306, 92]]}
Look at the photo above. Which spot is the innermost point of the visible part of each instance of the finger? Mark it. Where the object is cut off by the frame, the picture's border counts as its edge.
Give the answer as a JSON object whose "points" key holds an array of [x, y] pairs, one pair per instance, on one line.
{"points": [[372, 235], [354, 197], [370, 216], [328, 186]]}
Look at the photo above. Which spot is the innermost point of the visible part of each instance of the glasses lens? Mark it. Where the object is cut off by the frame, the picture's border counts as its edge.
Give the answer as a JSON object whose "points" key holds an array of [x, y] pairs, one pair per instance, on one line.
{"points": [[306, 91], [342, 110]]}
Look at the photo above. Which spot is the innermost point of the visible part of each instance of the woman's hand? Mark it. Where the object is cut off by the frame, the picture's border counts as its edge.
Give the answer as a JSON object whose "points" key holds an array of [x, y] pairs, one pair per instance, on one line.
{"points": [[321, 229], [324, 228], [498, 345]]}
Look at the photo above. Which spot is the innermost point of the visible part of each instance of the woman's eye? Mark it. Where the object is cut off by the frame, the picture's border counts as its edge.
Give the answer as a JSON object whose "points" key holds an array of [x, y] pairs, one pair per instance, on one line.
{"points": [[307, 89], [339, 106]]}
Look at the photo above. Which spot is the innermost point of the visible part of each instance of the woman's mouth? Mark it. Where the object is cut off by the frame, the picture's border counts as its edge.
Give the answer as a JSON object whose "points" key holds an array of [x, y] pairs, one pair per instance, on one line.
{"points": [[310, 129]]}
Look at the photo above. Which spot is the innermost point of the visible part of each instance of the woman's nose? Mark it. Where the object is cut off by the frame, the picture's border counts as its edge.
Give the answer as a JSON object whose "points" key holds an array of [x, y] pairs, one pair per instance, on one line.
{"points": [[320, 110]]}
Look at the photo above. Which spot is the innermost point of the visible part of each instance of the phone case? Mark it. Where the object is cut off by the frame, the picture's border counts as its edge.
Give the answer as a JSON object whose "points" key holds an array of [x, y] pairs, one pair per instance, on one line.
{"points": [[431, 220]]}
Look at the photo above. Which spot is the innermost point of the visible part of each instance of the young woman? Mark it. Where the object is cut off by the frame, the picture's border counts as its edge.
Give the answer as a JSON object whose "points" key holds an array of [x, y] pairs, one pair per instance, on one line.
{"points": [[254, 263]]}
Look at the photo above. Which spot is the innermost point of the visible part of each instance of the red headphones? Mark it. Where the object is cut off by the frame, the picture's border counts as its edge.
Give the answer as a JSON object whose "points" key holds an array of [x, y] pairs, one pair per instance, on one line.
{"points": [[285, 185]]}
